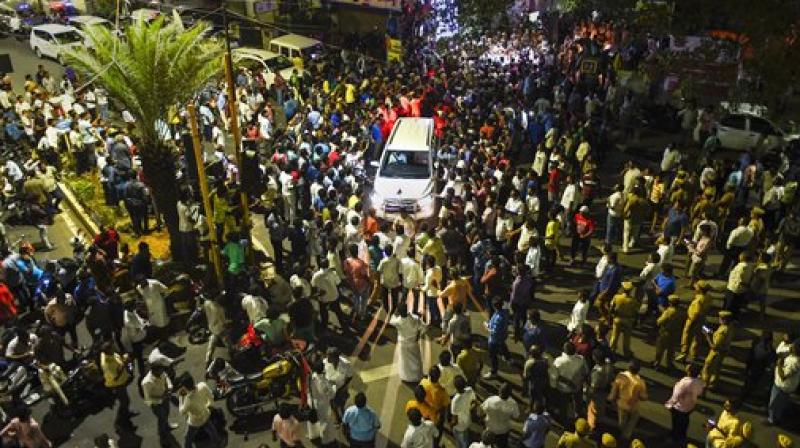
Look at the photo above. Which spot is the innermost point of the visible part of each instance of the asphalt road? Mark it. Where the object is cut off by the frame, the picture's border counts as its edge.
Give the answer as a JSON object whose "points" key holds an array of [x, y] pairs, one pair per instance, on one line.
{"points": [[375, 354]]}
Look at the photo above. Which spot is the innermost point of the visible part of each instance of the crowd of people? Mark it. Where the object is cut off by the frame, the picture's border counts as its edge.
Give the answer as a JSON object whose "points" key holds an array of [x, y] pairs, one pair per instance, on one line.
{"points": [[525, 134]]}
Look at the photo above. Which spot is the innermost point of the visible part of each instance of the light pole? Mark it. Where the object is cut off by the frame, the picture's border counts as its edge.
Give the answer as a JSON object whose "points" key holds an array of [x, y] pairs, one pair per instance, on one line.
{"points": [[235, 131]]}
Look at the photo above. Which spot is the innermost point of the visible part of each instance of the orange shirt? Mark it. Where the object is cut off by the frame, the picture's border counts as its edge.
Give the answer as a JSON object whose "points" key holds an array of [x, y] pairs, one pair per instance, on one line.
{"points": [[428, 413]]}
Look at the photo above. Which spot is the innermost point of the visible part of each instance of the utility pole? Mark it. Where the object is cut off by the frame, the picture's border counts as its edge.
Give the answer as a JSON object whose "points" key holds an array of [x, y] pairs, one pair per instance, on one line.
{"points": [[214, 254], [235, 131]]}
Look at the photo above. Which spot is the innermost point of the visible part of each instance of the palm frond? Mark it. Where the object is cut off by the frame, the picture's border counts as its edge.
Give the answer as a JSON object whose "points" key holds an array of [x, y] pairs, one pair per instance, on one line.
{"points": [[152, 67]]}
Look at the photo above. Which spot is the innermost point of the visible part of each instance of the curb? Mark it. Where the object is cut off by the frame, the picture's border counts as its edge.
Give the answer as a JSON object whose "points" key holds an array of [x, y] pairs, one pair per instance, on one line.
{"points": [[78, 210]]}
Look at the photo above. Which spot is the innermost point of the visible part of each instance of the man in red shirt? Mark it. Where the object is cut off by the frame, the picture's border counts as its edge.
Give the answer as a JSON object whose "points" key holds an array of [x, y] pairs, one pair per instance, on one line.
{"points": [[584, 228], [8, 309], [356, 273]]}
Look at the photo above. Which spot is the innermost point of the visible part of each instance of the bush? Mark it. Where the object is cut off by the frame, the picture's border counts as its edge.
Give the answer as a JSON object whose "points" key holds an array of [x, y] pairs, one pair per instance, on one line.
{"points": [[85, 190]]}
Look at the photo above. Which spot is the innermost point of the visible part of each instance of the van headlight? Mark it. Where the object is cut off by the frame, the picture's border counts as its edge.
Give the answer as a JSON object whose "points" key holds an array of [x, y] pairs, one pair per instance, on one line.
{"points": [[426, 205]]}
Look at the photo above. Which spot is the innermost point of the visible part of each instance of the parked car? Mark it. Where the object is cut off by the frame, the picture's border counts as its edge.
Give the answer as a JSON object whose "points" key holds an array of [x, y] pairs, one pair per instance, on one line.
{"points": [[52, 39], [81, 22], [267, 61], [18, 20], [745, 128]]}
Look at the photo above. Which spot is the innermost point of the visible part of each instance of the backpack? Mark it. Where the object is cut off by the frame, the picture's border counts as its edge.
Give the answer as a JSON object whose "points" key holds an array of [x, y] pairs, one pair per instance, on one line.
{"points": [[789, 193]]}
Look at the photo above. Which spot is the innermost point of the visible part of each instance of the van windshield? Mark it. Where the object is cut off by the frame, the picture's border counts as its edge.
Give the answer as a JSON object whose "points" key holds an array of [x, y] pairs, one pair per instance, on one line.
{"points": [[68, 37], [406, 165], [278, 63]]}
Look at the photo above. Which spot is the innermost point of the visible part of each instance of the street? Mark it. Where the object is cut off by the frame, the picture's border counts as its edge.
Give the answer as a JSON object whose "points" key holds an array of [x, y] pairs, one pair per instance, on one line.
{"points": [[375, 353]]}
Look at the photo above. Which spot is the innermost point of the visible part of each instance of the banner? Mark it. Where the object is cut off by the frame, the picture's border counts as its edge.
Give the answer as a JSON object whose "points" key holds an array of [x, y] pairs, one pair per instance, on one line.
{"points": [[393, 5], [394, 50]]}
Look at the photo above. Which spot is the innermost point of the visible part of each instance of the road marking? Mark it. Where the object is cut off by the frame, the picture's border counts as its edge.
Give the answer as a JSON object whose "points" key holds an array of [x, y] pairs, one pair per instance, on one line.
{"points": [[367, 333], [376, 373], [390, 401]]}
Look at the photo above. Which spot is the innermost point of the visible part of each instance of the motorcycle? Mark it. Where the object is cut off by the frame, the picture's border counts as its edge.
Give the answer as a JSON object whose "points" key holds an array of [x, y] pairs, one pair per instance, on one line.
{"points": [[18, 383], [286, 375], [82, 392]]}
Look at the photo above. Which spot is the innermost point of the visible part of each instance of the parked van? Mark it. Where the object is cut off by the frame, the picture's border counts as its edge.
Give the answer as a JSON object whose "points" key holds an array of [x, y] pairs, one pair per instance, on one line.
{"points": [[405, 179], [267, 62], [52, 39], [294, 45]]}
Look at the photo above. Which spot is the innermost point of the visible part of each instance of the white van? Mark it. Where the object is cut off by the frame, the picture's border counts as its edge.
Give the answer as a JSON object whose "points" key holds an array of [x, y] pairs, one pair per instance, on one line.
{"points": [[405, 179], [295, 45], [265, 61], [52, 39]]}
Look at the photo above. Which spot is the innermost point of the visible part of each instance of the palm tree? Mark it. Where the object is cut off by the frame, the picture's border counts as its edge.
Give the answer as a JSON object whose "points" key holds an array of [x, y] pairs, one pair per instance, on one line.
{"points": [[149, 69]]}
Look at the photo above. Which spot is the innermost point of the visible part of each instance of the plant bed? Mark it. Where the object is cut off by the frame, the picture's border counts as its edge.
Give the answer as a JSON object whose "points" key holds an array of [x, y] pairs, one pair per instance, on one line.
{"points": [[89, 193]]}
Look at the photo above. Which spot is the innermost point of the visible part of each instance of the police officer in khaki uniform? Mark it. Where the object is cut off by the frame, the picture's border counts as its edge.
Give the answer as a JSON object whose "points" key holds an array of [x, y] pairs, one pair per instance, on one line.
{"points": [[719, 344], [669, 327], [624, 309], [695, 318]]}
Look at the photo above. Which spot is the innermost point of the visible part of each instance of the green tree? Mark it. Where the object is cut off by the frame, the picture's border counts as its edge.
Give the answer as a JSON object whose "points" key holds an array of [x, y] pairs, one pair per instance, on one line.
{"points": [[149, 70]]}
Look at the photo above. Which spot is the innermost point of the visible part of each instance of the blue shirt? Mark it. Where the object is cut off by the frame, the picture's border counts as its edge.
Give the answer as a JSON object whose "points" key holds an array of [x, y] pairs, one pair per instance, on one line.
{"points": [[498, 327], [363, 423], [676, 220], [666, 285], [535, 430], [611, 279]]}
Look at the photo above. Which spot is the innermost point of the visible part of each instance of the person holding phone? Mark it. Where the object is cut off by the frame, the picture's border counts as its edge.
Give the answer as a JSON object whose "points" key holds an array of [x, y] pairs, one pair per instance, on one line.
{"points": [[683, 402], [695, 319], [719, 343]]}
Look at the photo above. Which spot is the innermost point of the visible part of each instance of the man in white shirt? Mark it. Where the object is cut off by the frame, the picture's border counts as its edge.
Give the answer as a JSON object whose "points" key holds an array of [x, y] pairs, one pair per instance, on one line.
{"points": [[217, 324], [338, 371], [569, 371], [155, 391], [152, 291], [787, 378], [194, 401], [412, 277], [500, 410], [420, 433], [327, 281], [461, 410], [616, 204], [738, 241], [255, 307], [389, 271]]}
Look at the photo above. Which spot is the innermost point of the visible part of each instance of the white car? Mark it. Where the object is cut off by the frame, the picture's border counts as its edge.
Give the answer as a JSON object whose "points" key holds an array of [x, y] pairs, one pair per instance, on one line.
{"points": [[52, 39], [266, 61], [745, 128], [81, 22], [406, 177]]}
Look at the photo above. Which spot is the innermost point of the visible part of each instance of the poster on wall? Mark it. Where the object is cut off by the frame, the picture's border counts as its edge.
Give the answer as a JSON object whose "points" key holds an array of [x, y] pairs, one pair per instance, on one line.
{"points": [[393, 5]]}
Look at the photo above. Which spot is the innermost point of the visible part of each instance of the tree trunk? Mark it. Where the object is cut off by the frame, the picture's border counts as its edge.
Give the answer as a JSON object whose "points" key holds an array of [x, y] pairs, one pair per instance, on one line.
{"points": [[159, 175]]}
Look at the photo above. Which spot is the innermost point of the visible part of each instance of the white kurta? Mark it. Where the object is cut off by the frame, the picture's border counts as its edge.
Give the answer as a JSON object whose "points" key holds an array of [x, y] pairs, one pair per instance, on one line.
{"points": [[408, 331], [578, 315], [153, 295], [322, 392]]}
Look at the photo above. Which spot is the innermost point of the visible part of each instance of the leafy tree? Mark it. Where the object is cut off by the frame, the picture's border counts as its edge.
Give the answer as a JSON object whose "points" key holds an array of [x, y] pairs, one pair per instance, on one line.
{"points": [[148, 70]]}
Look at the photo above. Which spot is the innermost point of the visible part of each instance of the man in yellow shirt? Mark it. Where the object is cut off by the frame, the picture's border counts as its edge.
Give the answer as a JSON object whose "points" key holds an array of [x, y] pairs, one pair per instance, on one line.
{"points": [[669, 326], [628, 391], [624, 310], [720, 344], [116, 378], [696, 316], [436, 396], [551, 234], [581, 438], [419, 402]]}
